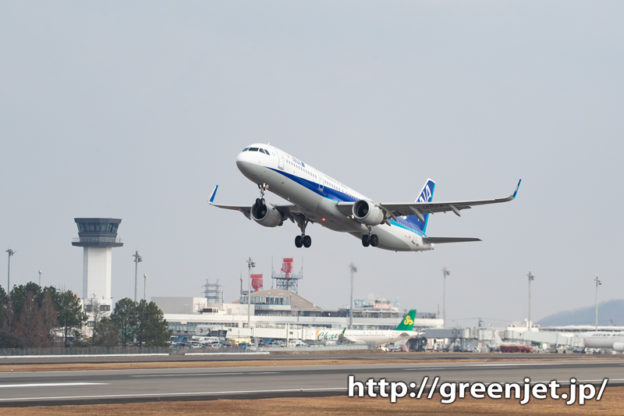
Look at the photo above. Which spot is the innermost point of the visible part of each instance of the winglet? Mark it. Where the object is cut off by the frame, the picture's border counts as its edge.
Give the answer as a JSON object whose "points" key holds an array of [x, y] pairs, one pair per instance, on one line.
{"points": [[214, 193], [517, 187]]}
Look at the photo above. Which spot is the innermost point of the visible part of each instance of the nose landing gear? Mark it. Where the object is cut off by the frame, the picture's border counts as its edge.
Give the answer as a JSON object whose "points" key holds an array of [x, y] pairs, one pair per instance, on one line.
{"points": [[263, 188]]}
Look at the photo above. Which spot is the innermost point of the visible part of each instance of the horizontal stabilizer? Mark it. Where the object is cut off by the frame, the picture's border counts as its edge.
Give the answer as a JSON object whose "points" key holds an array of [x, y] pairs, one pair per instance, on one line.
{"points": [[440, 240]]}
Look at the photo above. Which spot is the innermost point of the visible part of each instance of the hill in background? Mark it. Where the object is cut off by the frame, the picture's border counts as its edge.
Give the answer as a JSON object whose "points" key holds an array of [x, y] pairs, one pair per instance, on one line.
{"points": [[609, 313]]}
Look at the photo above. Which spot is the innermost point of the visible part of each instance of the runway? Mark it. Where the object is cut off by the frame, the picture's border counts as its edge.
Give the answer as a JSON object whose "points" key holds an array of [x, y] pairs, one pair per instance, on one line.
{"points": [[110, 386]]}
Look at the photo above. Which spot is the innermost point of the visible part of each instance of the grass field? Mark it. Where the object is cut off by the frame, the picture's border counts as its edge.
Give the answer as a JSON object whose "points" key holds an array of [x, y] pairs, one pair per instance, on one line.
{"points": [[611, 404]]}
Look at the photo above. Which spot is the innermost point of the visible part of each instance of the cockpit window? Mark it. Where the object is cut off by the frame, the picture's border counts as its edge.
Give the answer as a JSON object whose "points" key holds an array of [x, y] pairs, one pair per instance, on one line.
{"points": [[256, 149]]}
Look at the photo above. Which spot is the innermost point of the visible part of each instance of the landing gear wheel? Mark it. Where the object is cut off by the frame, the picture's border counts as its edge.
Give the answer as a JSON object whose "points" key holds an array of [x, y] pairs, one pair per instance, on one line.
{"points": [[307, 241], [373, 240], [298, 242], [365, 241]]}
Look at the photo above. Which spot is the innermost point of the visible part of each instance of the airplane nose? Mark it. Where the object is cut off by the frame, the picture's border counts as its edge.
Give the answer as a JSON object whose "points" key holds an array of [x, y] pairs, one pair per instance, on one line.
{"points": [[242, 161]]}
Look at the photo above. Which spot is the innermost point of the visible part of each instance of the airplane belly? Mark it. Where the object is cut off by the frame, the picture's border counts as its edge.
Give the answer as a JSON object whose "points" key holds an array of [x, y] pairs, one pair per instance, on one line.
{"points": [[335, 220], [394, 238]]}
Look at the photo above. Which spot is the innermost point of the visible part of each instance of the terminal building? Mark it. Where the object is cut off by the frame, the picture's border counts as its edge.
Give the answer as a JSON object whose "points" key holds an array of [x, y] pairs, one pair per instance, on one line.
{"points": [[275, 313], [278, 313]]}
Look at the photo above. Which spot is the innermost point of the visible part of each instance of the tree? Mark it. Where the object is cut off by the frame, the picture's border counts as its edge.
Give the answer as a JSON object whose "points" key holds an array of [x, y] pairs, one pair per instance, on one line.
{"points": [[105, 333], [69, 311], [31, 315], [124, 317], [4, 300], [29, 328], [152, 329], [4, 312], [17, 298], [48, 313]]}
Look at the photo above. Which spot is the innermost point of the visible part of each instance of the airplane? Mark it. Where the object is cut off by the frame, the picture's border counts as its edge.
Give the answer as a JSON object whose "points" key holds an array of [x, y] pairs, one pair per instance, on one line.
{"points": [[612, 340], [318, 198], [379, 336], [364, 336]]}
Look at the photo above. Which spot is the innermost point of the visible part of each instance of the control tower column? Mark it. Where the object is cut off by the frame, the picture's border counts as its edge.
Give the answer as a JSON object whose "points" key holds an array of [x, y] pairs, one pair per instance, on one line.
{"points": [[97, 236]]}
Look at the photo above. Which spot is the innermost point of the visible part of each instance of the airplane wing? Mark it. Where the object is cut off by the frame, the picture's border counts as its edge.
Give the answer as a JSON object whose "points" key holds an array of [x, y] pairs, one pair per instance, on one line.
{"points": [[287, 211], [421, 208]]}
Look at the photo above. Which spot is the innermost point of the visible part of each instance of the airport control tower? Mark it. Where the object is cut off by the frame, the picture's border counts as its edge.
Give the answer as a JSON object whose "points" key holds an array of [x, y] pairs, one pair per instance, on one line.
{"points": [[98, 236]]}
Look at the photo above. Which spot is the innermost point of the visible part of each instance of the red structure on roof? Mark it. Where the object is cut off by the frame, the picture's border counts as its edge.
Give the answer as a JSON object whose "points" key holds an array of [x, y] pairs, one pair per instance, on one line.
{"points": [[285, 278], [256, 281], [287, 266]]}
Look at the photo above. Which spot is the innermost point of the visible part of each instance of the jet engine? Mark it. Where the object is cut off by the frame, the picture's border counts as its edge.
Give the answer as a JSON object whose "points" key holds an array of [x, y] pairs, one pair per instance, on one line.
{"points": [[266, 215], [368, 213], [618, 346]]}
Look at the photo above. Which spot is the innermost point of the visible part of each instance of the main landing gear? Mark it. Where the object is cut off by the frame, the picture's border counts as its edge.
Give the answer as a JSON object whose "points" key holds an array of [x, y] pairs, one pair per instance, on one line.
{"points": [[303, 239], [370, 239]]}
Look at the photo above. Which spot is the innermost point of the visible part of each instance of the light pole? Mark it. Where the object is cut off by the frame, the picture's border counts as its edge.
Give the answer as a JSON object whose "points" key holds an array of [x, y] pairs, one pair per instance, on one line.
{"points": [[10, 252], [40, 273], [144, 286], [250, 265], [445, 274], [137, 259], [598, 283], [531, 277], [353, 270]]}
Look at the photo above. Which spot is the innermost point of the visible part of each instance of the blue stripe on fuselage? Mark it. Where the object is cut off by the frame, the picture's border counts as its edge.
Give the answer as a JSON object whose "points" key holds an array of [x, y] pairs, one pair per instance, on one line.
{"points": [[338, 196], [322, 190]]}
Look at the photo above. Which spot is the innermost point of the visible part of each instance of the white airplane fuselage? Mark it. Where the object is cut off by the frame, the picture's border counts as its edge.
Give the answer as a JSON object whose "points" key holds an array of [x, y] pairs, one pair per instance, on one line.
{"points": [[316, 194], [378, 337], [614, 341]]}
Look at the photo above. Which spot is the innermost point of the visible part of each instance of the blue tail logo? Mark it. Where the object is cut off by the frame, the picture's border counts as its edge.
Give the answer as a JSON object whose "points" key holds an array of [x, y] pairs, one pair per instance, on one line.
{"points": [[426, 195]]}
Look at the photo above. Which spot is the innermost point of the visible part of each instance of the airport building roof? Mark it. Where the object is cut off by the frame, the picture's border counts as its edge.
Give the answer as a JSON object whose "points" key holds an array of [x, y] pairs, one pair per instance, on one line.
{"points": [[278, 299]]}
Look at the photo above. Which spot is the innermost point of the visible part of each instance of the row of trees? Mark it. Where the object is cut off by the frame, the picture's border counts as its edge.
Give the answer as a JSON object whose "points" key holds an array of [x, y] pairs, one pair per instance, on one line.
{"points": [[30, 316], [141, 323]]}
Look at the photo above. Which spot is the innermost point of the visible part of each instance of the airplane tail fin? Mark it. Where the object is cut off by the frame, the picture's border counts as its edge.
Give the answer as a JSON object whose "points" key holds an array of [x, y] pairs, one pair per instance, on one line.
{"points": [[407, 322], [426, 195]]}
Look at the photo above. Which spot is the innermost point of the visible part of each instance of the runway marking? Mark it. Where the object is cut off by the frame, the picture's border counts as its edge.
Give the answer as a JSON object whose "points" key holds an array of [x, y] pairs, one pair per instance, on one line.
{"points": [[196, 393], [204, 374], [227, 353], [11, 386], [525, 364], [85, 355]]}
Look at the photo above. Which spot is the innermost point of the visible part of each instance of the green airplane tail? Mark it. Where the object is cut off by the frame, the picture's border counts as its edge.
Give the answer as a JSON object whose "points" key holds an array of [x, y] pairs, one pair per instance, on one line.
{"points": [[407, 322]]}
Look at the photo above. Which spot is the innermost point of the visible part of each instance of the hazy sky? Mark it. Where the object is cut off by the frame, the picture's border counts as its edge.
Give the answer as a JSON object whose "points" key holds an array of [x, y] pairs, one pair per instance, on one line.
{"points": [[135, 110]]}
